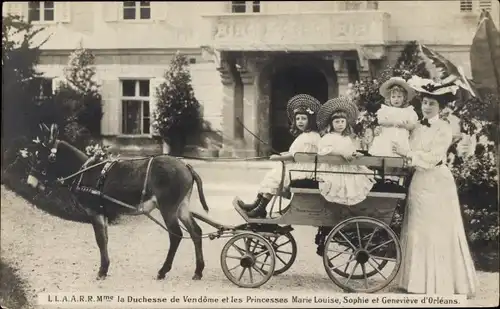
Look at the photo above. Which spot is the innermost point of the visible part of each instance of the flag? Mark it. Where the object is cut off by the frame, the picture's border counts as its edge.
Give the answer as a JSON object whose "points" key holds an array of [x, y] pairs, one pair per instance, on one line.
{"points": [[485, 54], [445, 70]]}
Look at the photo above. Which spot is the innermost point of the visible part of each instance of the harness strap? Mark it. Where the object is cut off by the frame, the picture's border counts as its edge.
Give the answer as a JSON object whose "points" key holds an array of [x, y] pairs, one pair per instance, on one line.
{"points": [[144, 187]]}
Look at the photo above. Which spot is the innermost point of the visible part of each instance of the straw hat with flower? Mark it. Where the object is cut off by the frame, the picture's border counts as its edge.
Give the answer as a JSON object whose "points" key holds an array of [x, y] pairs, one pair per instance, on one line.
{"points": [[340, 104], [385, 88], [302, 103]]}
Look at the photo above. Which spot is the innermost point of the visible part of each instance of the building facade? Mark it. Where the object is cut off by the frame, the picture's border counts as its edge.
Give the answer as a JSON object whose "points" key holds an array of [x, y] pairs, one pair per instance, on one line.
{"points": [[247, 58]]}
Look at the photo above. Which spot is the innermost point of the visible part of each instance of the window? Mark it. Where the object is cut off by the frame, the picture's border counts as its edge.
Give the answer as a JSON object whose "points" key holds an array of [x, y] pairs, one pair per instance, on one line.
{"points": [[465, 5], [353, 5], [43, 88], [41, 10], [135, 107], [238, 6], [256, 6], [241, 6], [136, 10], [372, 5]]}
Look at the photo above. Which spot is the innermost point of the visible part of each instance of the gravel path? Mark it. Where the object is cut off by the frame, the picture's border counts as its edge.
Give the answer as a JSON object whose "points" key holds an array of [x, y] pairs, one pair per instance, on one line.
{"points": [[54, 255]]}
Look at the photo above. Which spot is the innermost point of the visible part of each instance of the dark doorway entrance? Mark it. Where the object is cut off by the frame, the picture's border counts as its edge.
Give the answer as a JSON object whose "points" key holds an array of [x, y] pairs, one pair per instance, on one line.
{"points": [[286, 83]]}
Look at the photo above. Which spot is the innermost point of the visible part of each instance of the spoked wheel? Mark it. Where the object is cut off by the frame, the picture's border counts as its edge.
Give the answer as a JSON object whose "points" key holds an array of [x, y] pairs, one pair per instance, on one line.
{"points": [[362, 257], [352, 237], [285, 249], [242, 260]]}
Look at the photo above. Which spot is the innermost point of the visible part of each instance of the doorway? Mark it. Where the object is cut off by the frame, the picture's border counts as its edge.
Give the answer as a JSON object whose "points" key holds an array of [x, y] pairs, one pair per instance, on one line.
{"points": [[286, 83]]}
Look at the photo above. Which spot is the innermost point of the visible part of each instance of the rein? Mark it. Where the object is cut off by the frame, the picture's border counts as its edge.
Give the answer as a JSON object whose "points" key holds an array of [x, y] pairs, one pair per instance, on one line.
{"points": [[81, 171]]}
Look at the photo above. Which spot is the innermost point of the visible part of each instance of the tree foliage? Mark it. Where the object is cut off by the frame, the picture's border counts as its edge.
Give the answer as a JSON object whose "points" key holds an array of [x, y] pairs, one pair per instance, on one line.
{"points": [[365, 93], [178, 114], [79, 99], [20, 115]]}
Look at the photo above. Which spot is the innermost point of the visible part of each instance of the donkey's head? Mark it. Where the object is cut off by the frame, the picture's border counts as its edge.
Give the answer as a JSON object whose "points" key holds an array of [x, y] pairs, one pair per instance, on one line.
{"points": [[44, 154]]}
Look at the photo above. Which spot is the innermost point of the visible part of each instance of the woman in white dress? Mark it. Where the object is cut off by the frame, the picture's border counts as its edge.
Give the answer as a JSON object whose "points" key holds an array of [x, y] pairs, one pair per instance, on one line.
{"points": [[302, 110], [436, 256]]}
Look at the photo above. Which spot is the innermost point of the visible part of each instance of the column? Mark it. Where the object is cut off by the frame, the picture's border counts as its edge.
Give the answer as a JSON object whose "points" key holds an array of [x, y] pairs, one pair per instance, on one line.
{"points": [[342, 75], [228, 115], [343, 81], [250, 114]]}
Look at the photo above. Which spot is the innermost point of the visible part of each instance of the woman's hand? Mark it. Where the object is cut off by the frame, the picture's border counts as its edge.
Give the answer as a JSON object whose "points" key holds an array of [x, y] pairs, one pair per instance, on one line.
{"points": [[351, 156], [398, 149], [402, 125]]}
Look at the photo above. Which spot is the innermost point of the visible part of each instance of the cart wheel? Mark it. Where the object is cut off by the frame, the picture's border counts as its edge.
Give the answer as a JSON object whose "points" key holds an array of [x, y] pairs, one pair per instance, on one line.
{"points": [[343, 272], [245, 253], [374, 244], [285, 249]]}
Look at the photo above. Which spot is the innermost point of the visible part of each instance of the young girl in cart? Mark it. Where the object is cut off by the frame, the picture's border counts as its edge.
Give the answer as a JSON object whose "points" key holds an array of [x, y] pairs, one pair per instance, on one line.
{"points": [[302, 110], [396, 119], [344, 184]]}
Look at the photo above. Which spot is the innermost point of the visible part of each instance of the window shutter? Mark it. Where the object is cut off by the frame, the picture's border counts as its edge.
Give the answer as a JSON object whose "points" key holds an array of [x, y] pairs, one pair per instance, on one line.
{"points": [[111, 11], [154, 83], [484, 5], [56, 83], [63, 11], [17, 8], [111, 107]]}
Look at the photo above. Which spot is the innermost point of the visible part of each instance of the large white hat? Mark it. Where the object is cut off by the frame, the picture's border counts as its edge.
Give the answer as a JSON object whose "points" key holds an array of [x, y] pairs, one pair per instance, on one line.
{"points": [[425, 85], [385, 88]]}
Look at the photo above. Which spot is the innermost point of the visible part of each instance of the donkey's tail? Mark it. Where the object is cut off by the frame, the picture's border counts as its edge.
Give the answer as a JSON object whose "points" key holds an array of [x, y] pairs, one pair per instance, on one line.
{"points": [[199, 184]]}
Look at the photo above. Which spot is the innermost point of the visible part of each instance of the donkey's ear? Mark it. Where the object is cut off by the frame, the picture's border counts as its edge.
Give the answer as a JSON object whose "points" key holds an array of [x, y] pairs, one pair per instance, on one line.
{"points": [[54, 132]]}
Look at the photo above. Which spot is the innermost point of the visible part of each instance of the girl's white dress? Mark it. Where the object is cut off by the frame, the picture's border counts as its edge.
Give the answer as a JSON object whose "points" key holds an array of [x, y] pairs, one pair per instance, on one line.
{"points": [[305, 142], [389, 118], [436, 256], [347, 189]]}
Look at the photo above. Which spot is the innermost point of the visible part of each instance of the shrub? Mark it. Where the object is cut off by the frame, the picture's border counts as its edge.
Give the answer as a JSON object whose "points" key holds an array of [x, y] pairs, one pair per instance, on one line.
{"points": [[19, 93], [178, 113], [79, 99]]}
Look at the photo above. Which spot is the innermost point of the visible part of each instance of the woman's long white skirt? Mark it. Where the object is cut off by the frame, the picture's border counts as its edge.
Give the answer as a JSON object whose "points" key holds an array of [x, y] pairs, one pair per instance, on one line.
{"points": [[436, 256]]}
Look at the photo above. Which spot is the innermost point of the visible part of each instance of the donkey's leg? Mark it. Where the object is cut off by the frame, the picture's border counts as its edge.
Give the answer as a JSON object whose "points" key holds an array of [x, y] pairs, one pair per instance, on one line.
{"points": [[100, 225], [175, 234], [195, 232]]}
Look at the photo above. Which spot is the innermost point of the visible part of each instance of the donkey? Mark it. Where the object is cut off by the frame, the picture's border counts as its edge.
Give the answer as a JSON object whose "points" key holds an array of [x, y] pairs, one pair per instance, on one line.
{"points": [[161, 182]]}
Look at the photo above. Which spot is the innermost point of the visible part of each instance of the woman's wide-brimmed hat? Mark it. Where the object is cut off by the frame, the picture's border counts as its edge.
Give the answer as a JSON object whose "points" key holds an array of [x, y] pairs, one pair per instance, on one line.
{"points": [[399, 81], [335, 105], [302, 103], [427, 87]]}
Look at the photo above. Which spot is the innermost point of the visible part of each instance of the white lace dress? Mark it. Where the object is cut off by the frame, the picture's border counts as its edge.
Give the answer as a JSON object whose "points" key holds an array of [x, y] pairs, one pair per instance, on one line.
{"points": [[305, 142], [436, 256], [347, 189], [389, 118]]}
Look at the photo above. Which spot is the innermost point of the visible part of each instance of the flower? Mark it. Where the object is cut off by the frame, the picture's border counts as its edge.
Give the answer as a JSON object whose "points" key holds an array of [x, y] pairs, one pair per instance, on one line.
{"points": [[24, 153]]}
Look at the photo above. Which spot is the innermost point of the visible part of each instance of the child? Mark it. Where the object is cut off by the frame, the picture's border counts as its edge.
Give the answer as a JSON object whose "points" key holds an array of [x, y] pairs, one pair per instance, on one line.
{"points": [[302, 110], [344, 186], [396, 119]]}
